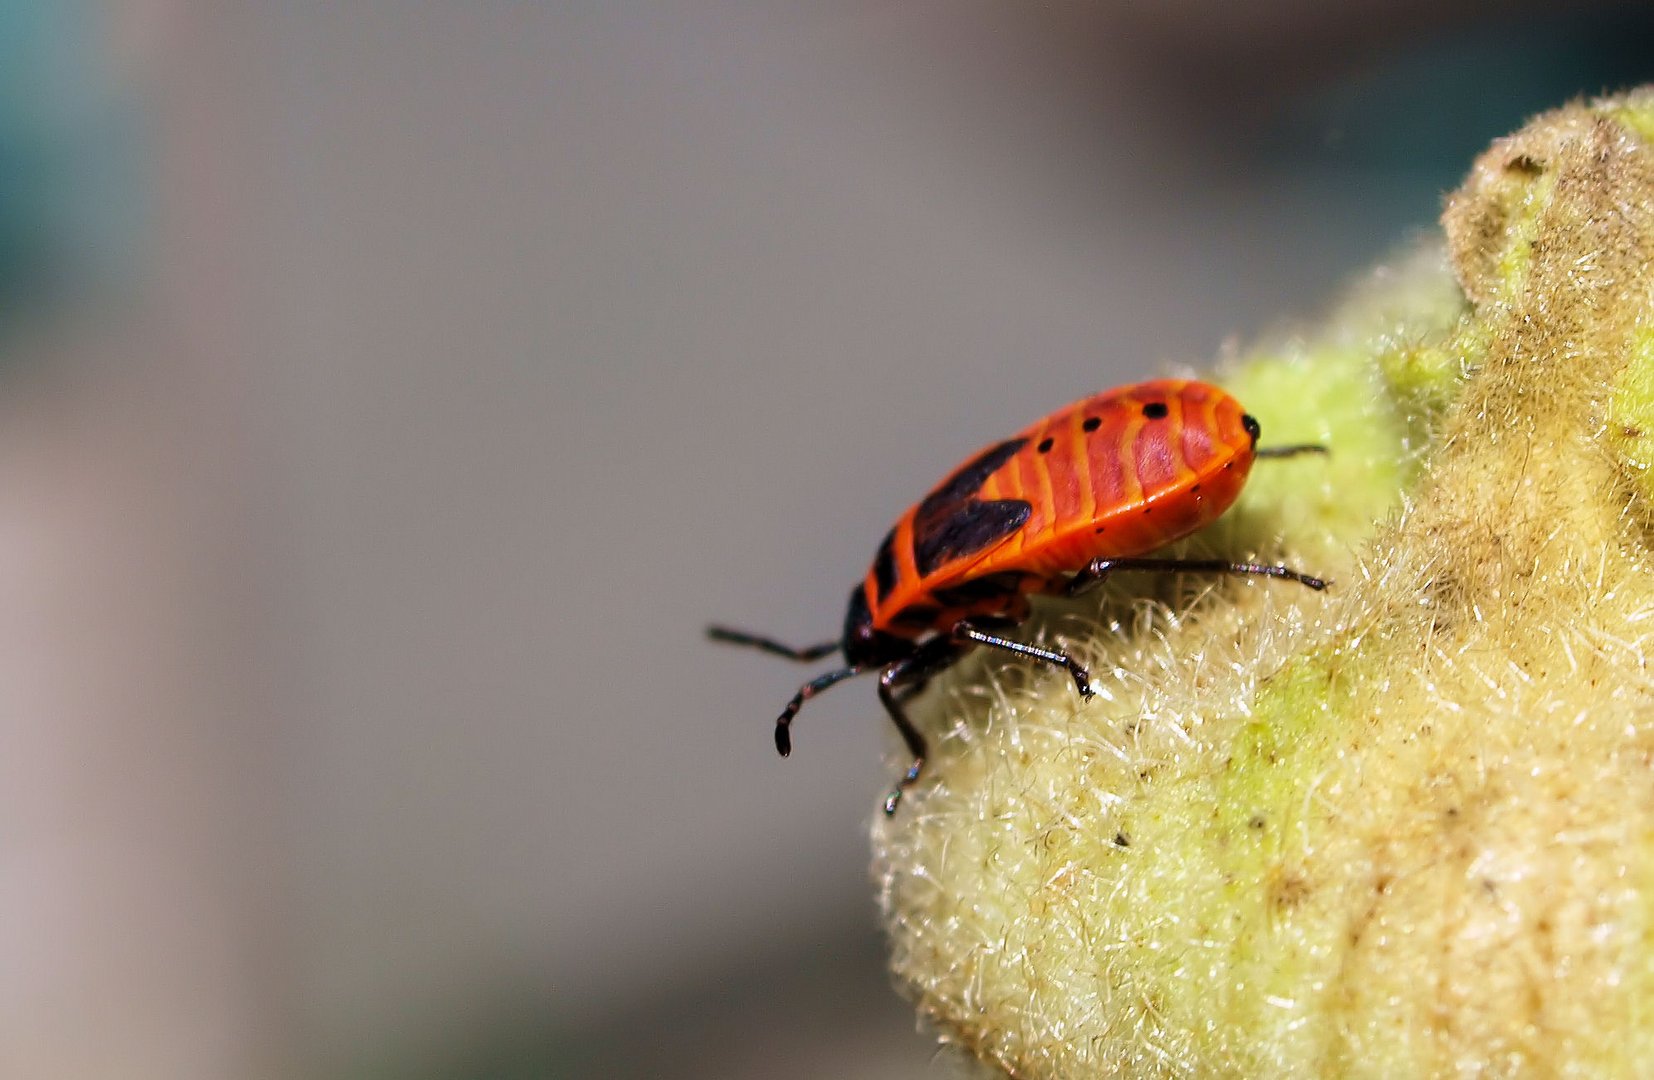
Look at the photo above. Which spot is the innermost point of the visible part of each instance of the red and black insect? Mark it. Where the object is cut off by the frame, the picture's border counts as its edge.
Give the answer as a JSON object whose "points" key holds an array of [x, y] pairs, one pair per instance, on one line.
{"points": [[1087, 491]]}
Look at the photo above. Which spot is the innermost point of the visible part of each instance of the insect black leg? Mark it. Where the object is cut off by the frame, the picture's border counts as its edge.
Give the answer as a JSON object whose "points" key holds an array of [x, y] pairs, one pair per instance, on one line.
{"points": [[964, 631], [783, 723], [899, 682], [1098, 569], [770, 645], [1290, 451], [888, 680]]}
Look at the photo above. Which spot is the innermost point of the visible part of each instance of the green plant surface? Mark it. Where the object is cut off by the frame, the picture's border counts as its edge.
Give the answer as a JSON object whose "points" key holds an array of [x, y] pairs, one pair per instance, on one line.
{"points": [[1401, 828]]}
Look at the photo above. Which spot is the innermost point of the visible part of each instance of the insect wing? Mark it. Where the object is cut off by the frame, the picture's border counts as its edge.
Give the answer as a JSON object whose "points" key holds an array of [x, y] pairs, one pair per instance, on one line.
{"points": [[953, 524]]}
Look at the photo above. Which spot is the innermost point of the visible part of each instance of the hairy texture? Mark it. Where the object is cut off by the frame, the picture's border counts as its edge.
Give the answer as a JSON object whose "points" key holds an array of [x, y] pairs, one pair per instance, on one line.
{"points": [[1402, 828]]}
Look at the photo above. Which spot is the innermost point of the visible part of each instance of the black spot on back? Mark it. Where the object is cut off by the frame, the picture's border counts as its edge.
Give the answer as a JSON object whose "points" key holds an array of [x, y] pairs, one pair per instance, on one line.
{"points": [[970, 528], [1046, 444], [1155, 410], [884, 565], [1092, 423]]}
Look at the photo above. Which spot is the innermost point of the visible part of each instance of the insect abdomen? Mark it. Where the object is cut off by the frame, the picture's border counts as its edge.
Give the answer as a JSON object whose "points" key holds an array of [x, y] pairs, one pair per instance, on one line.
{"points": [[1116, 475]]}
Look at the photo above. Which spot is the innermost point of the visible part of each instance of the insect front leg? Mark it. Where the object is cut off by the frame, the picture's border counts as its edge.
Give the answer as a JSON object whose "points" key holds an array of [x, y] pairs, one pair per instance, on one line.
{"points": [[784, 723], [898, 684]]}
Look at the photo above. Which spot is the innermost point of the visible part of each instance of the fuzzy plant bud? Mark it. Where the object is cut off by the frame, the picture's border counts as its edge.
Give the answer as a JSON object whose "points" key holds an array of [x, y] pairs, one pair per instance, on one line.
{"points": [[1404, 827]]}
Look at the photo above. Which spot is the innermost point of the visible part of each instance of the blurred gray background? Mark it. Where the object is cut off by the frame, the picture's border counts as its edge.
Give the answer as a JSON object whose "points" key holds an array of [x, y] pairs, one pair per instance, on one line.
{"points": [[390, 393]]}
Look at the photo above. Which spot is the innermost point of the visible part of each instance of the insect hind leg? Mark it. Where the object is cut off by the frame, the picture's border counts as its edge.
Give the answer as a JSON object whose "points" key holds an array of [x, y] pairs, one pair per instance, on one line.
{"points": [[1290, 451], [1099, 569]]}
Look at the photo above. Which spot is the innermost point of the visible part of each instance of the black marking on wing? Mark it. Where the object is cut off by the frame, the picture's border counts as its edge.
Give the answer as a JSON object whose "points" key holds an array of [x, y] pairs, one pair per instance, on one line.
{"points": [[951, 524], [970, 528], [966, 482], [989, 588], [884, 566]]}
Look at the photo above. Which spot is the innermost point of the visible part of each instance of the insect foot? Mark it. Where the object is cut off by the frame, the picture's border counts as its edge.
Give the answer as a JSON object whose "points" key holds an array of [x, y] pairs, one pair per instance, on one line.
{"points": [[1401, 828]]}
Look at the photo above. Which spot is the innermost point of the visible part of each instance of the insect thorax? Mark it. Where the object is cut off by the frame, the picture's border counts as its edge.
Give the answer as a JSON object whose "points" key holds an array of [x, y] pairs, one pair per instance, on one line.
{"points": [[865, 646]]}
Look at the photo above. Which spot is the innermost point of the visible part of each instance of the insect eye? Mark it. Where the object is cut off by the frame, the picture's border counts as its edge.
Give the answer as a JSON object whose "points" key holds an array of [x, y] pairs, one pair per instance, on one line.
{"points": [[1249, 424], [1155, 410]]}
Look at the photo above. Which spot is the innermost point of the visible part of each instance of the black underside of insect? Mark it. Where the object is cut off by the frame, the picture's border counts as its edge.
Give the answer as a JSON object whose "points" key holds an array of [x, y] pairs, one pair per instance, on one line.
{"points": [[906, 665]]}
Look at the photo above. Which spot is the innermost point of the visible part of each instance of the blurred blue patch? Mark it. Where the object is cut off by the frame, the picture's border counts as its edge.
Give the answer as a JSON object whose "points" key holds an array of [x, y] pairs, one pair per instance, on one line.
{"points": [[1408, 124], [70, 208]]}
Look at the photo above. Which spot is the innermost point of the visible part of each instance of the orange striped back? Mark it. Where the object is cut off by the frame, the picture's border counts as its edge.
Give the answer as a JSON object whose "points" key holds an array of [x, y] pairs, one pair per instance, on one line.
{"points": [[1115, 475]]}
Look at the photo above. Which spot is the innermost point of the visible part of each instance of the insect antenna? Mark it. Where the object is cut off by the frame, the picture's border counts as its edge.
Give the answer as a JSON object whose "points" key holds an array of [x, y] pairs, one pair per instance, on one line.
{"points": [[770, 645]]}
